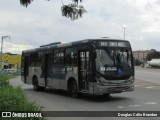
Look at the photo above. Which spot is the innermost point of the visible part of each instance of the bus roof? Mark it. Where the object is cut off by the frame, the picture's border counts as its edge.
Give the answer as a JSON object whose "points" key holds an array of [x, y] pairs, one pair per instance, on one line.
{"points": [[59, 45]]}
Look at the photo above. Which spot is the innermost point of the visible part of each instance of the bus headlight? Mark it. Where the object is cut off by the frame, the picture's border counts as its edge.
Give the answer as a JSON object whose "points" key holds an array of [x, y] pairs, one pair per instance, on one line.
{"points": [[100, 81], [132, 79]]}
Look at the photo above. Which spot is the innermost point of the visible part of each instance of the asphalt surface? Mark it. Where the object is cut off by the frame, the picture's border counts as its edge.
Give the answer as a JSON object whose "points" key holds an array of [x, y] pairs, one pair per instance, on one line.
{"points": [[148, 74], [146, 97]]}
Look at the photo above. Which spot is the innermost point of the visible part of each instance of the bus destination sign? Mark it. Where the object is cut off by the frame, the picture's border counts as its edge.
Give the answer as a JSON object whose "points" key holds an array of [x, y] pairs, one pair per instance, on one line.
{"points": [[113, 44]]}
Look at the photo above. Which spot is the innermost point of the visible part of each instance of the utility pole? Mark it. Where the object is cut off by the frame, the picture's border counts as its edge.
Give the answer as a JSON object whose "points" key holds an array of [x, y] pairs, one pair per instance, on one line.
{"points": [[3, 37], [124, 28]]}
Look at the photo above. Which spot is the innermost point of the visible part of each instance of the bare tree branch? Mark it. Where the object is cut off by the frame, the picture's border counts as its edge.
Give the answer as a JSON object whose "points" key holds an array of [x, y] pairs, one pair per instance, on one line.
{"points": [[62, 2]]}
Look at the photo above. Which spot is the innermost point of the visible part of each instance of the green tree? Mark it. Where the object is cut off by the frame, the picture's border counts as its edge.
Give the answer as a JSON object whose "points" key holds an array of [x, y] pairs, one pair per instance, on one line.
{"points": [[153, 55], [72, 11]]}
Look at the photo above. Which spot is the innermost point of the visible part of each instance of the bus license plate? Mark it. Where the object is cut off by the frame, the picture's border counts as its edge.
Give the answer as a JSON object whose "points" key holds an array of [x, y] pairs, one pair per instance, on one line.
{"points": [[119, 89]]}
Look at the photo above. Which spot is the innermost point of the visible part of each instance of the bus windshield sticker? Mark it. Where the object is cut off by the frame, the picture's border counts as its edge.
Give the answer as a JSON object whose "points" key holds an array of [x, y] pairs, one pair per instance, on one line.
{"points": [[108, 69], [111, 69], [120, 72], [102, 69]]}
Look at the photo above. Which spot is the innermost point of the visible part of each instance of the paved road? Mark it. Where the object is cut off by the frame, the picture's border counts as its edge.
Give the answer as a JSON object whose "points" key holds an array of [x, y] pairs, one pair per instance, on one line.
{"points": [[148, 74], [144, 98]]}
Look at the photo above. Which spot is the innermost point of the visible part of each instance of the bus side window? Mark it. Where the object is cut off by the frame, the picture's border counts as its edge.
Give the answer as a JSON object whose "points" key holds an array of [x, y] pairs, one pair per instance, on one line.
{"points": [[39, 59], [33, 59], [71, 56], [59, 57]]}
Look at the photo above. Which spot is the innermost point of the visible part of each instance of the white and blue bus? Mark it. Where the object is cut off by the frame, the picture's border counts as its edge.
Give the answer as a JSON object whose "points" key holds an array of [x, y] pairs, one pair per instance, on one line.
{"points": [[93, 66]]}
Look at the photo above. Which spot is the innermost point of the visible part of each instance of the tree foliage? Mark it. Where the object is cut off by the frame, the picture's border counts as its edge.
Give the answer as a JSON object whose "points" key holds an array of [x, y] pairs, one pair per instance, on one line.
{"points": [[137, 62], [25, 2], [72, 11], [153, 55]]}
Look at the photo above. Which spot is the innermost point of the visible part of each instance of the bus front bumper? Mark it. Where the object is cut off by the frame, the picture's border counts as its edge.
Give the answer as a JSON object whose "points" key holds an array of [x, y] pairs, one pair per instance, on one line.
{"points": [[101, 90]]}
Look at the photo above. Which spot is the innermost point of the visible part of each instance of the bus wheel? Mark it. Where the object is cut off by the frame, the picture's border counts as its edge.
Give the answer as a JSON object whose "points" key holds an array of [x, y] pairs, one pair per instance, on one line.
{"points": [[106, 95], [36, 87], [74, 89]]}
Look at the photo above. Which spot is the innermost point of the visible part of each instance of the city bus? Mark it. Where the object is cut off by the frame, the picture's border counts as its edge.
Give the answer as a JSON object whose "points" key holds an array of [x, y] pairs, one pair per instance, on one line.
{"points": [[92, 66]]}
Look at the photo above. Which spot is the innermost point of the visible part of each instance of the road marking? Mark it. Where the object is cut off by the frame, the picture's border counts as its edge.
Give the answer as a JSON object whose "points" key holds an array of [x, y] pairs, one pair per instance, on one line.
{"points": [[137, 85], [134, 105], [120, 107], [151, 103], [149, 87]]}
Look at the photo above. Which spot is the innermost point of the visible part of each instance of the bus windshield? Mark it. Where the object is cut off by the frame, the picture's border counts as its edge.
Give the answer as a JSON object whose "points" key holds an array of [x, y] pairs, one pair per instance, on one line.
{"points": [[114, 62]]}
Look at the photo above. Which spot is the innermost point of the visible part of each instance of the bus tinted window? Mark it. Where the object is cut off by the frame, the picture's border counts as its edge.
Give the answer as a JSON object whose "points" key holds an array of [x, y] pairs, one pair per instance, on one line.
{"points": [[36, 59], [39, 59], [71, 56], [33, 59], [59, 57]]}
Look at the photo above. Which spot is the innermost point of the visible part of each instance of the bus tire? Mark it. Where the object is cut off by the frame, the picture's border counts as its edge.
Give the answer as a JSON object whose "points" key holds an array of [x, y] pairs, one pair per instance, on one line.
{"points": [[74, 89], [106, 95], [36, 87]]}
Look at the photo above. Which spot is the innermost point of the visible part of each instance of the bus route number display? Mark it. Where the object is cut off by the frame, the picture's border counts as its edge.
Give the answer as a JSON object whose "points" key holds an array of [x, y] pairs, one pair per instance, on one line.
{"points": [[112, 44]]}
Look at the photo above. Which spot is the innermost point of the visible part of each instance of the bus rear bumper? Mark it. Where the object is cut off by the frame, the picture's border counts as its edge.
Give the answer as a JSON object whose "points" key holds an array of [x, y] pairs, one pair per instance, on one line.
{"points": [[101, 90]]}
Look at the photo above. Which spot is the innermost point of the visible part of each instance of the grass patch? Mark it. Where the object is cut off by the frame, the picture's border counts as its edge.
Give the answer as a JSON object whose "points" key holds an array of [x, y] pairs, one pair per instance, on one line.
{"points": [[4, 79], [13, 99]]}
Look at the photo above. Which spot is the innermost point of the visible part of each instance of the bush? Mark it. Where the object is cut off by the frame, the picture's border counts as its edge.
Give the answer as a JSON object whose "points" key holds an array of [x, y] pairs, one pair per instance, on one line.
{"points": [[137, 62], [4, 79], [13, 99]]}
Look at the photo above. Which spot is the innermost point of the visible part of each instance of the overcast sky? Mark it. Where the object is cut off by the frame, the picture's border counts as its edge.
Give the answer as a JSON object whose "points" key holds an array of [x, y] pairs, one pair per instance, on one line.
{"points": [[41, 23]]}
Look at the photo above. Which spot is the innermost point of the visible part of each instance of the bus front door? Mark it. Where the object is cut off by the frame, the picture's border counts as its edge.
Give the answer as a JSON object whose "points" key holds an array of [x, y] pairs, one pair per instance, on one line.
{"points": [[84, 65]]}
